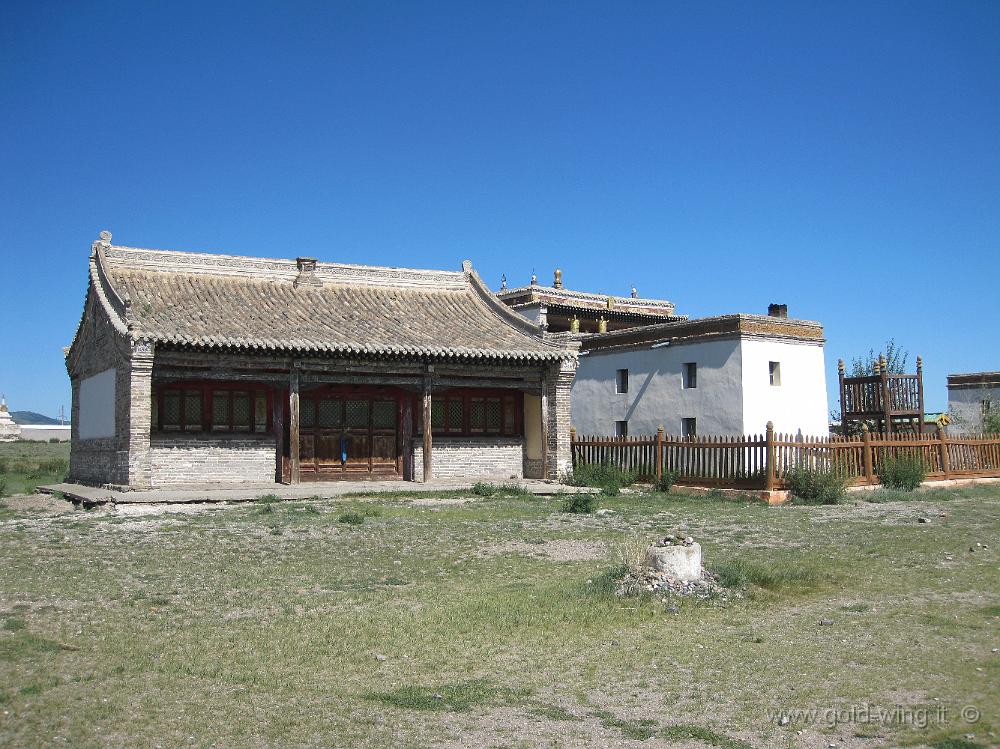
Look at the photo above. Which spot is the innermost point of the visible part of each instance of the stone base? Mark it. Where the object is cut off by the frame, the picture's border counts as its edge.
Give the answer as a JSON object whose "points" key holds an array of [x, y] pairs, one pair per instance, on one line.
{"points": [[680, 562]]}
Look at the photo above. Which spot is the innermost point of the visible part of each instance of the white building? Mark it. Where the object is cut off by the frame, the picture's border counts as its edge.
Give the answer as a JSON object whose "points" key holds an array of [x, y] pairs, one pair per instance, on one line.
{"points": [[972, 396], [643, 366]]}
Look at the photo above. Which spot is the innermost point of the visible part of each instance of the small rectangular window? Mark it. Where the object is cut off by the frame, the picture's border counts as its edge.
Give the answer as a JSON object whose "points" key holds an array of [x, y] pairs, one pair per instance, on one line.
{"points": [[621, 429], [774, 369], [689, 427], [690, 376], [621, 381]]}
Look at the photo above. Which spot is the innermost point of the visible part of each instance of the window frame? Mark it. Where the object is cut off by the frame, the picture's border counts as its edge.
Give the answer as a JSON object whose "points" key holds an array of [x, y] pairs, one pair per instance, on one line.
{"points": [[205, 392], [689, 376], [621, 428], [689, 426], [466, 396], [621, 381], [774, 373]]}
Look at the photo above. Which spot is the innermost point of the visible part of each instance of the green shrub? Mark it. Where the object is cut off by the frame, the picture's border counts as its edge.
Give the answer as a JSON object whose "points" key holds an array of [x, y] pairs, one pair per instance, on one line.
{"points": [[580, 504], [3, 486], [482, 489], [605, 476], [902, 471], [611, 489], [351, 518], [53, 440], [814, 486], [666, 481]]}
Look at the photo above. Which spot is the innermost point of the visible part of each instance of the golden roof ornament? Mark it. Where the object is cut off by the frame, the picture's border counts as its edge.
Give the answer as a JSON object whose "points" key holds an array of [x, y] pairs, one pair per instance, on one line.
{"points": [[557, 279], [574, 325], [602, 324]]}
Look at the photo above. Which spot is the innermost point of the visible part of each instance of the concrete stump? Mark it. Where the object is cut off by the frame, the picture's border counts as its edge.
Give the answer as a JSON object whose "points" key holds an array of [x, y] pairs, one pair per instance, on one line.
{"points": [[682, 562]]}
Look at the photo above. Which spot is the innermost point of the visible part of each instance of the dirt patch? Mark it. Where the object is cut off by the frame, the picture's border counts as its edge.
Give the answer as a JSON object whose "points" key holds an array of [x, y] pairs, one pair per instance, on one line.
{"points": [[433, 501], [43, 503], [562, 550]]}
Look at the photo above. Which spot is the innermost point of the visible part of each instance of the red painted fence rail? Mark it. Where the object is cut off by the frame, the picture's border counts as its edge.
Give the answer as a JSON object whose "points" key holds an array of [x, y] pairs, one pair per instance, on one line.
{"points": [[762, 461]]}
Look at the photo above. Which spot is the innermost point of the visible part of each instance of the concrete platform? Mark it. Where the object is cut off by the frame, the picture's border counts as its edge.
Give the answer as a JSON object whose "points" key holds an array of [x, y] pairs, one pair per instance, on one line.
{"points": [[91, 496]]}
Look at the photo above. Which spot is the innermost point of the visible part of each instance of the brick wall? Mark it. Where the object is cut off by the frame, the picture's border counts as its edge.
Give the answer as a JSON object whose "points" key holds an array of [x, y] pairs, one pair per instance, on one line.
{"points": [[497, 458], [558, 382], [193, 459]]}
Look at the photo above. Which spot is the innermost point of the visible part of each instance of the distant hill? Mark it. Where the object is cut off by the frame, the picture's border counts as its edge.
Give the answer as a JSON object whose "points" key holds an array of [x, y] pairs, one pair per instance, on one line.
{"points": [[30, 417]]}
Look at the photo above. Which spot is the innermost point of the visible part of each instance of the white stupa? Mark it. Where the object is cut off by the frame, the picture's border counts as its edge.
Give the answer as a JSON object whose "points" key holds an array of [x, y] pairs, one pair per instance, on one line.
{"points": [[9, 431]]}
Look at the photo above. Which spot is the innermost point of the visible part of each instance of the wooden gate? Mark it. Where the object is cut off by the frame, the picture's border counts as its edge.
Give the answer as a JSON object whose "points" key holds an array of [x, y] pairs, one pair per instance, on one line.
{"points": [[345, 435]]}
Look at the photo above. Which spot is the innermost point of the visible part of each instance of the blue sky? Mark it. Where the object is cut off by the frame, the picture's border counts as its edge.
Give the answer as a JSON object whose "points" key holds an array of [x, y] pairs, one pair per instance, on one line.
{"points": [[843, 158]]}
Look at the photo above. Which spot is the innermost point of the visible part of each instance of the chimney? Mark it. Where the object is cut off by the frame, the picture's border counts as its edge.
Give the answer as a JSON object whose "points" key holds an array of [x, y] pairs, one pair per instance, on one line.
{"points": [[307, 272], [777, 310]]}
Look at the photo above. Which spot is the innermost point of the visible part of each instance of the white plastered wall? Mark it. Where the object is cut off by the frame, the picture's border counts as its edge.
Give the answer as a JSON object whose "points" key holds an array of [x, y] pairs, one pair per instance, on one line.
{"points": [[97, 405], [799, 402]]}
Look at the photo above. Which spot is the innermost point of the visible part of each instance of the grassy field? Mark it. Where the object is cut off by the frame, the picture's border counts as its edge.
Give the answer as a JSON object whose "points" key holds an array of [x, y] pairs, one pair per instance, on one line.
{"points": [[418, 621], [25, 465]]}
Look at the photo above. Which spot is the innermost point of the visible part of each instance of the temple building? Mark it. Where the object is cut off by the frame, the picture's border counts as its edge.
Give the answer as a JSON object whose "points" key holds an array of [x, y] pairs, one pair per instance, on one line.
{"points": [[193, 368], [643, 366]]}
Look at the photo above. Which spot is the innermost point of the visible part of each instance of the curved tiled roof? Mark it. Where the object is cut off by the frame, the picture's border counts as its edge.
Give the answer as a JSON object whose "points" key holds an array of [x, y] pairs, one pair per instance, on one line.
{"points": [[222, 301]]}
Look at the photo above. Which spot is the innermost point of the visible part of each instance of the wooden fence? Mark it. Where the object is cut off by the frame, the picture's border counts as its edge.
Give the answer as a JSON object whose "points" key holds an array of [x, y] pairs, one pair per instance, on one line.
{"points": [[763, 461]]}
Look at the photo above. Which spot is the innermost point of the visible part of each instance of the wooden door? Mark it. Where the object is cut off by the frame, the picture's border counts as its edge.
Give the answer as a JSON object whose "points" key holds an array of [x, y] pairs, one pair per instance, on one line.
{"points": [[348, 435]]}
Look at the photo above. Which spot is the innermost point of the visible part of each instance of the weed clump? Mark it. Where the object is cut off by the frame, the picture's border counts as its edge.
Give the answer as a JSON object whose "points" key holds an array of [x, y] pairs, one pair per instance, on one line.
{"points": [[351, 518], [904, 472], [605, 476], [815, 486], [483, 489], [666, 481], [580, 504]]}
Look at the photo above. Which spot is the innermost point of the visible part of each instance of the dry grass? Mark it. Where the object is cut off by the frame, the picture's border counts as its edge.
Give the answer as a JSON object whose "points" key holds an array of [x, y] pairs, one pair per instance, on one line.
{"points": [[239, 627]]}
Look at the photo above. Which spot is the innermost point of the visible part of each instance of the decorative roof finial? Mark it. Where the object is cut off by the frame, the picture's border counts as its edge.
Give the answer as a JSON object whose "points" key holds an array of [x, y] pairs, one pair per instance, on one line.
{"points": [[635, 293], [557, 279], [503, 282], [105, 236], [840, 366], [534, 279]]}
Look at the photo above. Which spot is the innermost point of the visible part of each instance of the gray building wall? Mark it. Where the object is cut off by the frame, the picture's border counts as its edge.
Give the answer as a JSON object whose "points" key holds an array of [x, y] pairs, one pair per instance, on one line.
{"points": [[965, 406], [656, 395]]}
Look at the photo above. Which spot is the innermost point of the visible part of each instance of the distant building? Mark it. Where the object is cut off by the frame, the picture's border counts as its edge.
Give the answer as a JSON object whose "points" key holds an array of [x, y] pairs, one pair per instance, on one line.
{"points": [[642, 365], [972, 397], [9, 430]]}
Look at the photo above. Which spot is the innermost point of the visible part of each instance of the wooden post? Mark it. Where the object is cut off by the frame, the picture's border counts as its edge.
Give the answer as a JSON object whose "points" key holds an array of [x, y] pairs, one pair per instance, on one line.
{"points": [[843, 399], [428, 428], [293, 424], [545, 427], [572, 446], [866, 454], [659, 452], [943, 447], [920, 395], [769, 480], [886, 404]]}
